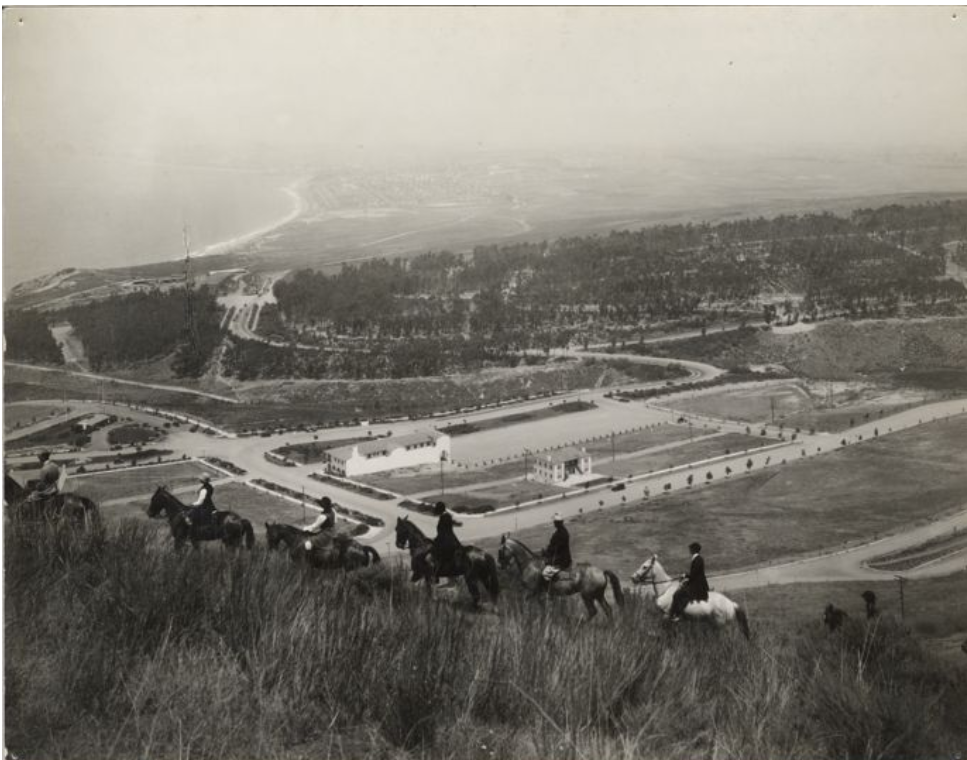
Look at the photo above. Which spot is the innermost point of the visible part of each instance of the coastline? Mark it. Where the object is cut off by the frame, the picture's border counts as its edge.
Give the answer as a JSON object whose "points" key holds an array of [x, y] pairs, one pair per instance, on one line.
{"points": [[230, 245]]}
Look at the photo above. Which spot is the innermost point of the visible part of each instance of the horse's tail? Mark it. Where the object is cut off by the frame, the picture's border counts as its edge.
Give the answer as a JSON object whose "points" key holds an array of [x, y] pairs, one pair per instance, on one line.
{"points": [[491, 580], [615, 587], [248, 533], [743, 621], [374, 558]]}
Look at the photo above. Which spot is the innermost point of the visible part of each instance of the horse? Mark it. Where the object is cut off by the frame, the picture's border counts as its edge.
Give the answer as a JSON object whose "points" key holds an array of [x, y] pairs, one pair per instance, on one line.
{"points": [[718, 609], [228, 527], [587, 580], [325, 550], [79, 510], [477, 566]]}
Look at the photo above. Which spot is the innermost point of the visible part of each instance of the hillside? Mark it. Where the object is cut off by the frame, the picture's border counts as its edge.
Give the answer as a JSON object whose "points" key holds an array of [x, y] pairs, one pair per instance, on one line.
{"points": [[250, 656], [925, 349]]}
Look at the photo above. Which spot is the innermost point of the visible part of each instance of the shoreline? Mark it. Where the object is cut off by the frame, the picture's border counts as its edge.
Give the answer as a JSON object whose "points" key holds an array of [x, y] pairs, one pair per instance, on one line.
{"points": [[299, 207]]}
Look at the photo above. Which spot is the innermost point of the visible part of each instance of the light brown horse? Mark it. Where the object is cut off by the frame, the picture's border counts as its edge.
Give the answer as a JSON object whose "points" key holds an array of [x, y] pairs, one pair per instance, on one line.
{"points": [[587, 580]]}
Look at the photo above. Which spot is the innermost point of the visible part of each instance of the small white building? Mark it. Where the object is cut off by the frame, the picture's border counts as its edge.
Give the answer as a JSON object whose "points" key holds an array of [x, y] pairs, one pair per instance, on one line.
{"points": [[563, 466], [422, 447]]}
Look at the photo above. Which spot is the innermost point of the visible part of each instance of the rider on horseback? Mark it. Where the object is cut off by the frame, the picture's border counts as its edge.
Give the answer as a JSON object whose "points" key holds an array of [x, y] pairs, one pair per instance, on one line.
{"points": [[47, 483], [446, 546], [557, 555], [203, 508], [694, 586], [326, 520]]}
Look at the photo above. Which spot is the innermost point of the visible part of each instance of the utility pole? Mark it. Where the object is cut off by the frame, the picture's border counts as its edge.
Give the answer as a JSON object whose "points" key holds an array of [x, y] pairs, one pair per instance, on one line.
{"points": [[525, 463], [190, 329], [901, 580], [612, 447], [772, 408], [303, 500], [443, 458]]}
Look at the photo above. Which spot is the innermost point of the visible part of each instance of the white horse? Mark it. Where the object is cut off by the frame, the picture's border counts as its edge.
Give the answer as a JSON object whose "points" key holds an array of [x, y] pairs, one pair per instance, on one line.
{"points": [[718, 609]]}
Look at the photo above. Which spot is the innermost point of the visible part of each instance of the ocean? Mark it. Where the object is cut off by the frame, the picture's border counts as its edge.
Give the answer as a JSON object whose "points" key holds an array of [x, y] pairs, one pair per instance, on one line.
{"points": [[107, 212]]}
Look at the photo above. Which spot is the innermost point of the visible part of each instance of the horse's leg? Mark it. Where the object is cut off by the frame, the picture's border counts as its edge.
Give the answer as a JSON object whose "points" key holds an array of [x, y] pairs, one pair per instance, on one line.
{"points": [[472, 588], [589, 605], [604, 604]]}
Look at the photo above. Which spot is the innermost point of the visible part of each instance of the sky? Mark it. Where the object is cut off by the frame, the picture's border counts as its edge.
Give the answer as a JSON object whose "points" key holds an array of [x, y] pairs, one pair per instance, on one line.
{"points": [[267, 84]]}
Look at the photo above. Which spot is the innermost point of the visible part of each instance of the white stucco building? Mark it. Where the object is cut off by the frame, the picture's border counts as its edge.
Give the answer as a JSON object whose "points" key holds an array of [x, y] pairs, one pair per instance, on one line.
{"points": [[422, 447], [563, 466]]}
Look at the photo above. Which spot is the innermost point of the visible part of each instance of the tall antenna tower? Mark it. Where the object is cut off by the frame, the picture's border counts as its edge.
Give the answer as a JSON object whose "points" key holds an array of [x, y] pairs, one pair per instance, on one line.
{"points": [[191, 330]]}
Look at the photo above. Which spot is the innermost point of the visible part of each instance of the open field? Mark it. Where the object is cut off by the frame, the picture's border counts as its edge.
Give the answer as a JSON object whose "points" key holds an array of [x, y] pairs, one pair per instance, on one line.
{"points": [[491, 446], [59, 433], [499, 495], [21, 415], [407, 676], [138, 480], [413, 480], [495, 423], [705, 448], [856, 493], [927, 605], [625, 443], [802, 405]]}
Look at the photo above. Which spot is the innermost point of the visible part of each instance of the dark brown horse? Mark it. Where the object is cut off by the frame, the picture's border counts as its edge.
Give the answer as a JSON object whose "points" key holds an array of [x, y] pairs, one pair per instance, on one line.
{"points": [[228, 527], [24, 506], [476, 566], [327, 549]]}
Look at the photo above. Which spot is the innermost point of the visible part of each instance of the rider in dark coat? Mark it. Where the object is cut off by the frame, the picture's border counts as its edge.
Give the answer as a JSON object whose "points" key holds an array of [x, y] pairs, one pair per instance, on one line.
{"points": [[557, 555], [326, 520], [694, 587], [446, 545]]}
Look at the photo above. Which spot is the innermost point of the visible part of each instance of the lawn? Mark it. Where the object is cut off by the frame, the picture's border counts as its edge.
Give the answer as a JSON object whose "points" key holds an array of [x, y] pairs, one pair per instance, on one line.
{"points": [[502, 495], [21, 415], [640, 439], [688, 452], [138, 481], [755, 404], [132, 434], [415, 480], [855, 493], [53, 435]]}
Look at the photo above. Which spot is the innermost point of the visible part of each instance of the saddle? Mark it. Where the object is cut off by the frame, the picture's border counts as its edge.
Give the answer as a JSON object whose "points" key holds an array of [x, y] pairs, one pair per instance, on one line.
{"points": [[563, 576]]}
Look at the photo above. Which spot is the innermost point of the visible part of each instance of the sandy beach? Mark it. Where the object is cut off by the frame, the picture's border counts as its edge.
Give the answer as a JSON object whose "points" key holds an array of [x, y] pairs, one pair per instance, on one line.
{"points": [[232, 244]]}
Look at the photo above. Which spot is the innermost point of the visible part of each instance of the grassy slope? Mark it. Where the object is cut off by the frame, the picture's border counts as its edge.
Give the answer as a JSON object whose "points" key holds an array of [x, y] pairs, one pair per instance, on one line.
{"points": [[264, 660], [862, 491]]}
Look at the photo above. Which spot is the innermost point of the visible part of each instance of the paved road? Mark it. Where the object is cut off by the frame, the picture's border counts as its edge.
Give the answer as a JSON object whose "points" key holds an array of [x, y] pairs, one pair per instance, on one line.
{"points": [[850, 564]]}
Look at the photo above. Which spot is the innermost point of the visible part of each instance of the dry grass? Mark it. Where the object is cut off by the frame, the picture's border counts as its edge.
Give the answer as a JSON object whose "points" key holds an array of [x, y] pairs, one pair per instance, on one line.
{"points": [[116, 649]]}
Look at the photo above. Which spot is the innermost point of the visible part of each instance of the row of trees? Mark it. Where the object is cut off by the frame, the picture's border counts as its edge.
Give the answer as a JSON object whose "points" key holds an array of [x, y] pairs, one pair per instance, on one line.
{"points": [[28, 338], [147, 325]]}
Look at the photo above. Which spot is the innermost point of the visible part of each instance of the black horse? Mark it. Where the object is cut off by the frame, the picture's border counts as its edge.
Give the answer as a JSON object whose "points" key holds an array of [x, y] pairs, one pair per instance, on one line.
{"points": [[228, 527], [476, 566], [327, 549], [22, 505]]}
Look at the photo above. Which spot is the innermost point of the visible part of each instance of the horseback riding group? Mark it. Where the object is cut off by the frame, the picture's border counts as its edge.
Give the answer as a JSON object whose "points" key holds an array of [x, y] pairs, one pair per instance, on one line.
{"points": [[436, 561]]}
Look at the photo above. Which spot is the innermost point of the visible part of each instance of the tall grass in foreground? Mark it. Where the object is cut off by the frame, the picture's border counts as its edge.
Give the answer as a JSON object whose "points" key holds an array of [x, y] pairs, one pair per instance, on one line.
{"points": [[117, 648]]}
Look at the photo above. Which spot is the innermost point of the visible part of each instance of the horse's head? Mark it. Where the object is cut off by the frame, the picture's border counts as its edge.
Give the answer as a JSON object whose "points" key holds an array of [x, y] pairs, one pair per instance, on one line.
{"points": [[158, 501], [646, 572], [402, 532], [503, 554]]}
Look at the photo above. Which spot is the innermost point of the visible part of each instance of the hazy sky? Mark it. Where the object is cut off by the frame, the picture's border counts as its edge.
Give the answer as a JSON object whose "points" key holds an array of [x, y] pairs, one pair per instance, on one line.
{"points": [[220, 82]]}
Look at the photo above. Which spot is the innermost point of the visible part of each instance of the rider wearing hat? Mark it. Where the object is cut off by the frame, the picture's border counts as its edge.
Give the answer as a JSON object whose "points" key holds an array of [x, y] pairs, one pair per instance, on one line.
{"points": [[446, 545], [47, 483], [326, 520], [557, 555], [694, 586], [203, 508]]}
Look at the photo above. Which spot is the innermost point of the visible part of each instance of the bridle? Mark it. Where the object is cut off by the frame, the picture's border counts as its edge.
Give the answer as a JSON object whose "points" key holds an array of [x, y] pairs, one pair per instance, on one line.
{"points": [[649, 574]]}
